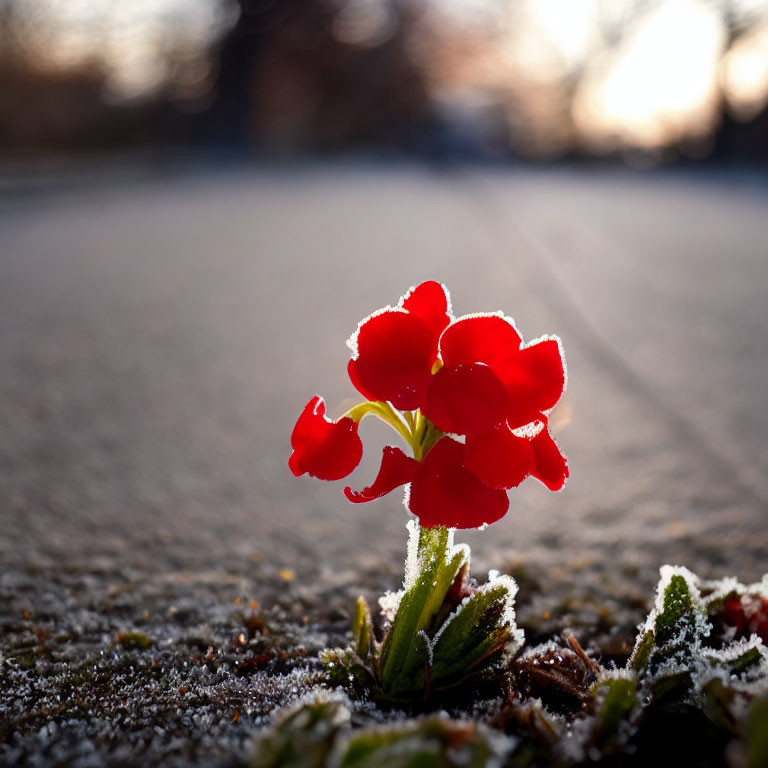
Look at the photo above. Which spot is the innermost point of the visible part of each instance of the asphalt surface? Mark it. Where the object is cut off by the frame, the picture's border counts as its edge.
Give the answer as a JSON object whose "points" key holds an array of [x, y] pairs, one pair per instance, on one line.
{"points": [[159, 336]]}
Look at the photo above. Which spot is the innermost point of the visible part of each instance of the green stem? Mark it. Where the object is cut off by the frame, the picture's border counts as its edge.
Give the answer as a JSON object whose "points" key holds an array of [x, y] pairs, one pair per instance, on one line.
{"points": [[433, 544], [404, 653]]}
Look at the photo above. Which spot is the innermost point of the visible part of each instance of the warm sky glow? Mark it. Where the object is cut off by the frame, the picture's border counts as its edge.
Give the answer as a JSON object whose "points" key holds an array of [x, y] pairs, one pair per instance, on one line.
{"points": [[661, 84]]}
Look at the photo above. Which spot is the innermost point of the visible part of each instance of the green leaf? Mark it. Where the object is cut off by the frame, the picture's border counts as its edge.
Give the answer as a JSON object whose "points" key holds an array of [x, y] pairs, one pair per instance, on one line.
{"points": [[303, 738], [477, 629], [748, 660], [618, 699], [643, 650], [717, 703], [430, 743], [344, 666], [362, 628], [678, 613], [671, 688], [318, 735], [675, 628]]}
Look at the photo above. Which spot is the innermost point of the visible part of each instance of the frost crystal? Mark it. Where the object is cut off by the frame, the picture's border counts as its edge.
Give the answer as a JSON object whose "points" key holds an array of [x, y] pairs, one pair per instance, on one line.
{"points": [[389, 602]]}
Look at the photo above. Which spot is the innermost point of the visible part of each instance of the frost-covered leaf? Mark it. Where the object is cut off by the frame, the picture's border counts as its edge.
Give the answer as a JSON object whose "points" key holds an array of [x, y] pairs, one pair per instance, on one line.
{"points": [[481, 626], [644, 646], [742, 661], [343, 666], [750, 659], [537, 727], [741, 666], [672, 635], [676, 623], [617, 703], [670, 687], [303, 736], [429, 743], [318, 734]]}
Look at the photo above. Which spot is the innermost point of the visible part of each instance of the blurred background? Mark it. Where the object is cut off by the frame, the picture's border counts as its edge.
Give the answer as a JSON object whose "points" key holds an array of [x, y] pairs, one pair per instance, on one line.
{"points": [[199, 200], [647, 81]]}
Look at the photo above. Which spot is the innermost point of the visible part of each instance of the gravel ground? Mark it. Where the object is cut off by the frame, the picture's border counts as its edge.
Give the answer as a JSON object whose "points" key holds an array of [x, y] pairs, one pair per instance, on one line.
{"points": [[159, 334]]}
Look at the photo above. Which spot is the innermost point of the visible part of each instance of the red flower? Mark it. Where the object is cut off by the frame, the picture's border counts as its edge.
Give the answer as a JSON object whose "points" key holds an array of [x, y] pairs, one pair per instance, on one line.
{"points": [[740, 616], [472, 378], [325, 449]]}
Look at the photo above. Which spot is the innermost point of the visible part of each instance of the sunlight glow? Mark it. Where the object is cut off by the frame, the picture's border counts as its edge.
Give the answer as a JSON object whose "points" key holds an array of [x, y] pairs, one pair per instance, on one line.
{"points": [[661, 84], [745, 73], [569, 27]]}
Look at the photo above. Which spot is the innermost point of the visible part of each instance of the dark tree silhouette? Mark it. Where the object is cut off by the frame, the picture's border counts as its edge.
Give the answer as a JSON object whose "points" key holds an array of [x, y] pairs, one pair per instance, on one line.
{"points": [[288, 83]]}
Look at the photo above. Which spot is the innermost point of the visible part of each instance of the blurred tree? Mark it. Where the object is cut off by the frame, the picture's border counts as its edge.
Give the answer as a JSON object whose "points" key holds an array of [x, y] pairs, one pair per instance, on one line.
{"points": [[309, 74]]}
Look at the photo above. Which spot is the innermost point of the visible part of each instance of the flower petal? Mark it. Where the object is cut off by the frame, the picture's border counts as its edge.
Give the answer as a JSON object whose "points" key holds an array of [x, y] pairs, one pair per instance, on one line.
{"points": [[430, 303], [396, 469], [499, 458], [534, 378], [550, 466], [444, 493], [325, 449], [466, 399], [393, 352], [478, 339]]}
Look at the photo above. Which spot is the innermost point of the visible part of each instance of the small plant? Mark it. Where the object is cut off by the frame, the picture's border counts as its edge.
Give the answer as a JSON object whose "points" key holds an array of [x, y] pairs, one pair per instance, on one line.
{"points": [[317, 734], [470, 400], [689, 658], [693, 692]]}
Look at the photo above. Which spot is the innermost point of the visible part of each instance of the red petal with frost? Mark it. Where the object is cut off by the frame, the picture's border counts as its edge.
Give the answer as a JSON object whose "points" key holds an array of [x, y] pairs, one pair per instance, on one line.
{"points": [[395, 353], [550, 466], [396, 469], [534, 378], [429, 302], [325, 449], [478, 339], [444, 493]]}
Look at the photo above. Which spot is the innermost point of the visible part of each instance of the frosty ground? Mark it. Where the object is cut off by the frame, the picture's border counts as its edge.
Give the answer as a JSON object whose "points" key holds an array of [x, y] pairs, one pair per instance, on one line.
{"points": [[159, 333]]}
